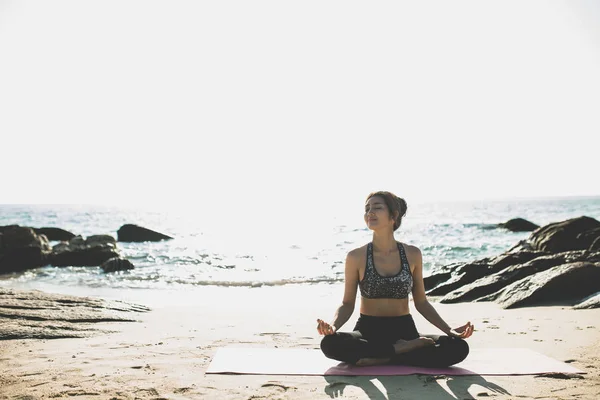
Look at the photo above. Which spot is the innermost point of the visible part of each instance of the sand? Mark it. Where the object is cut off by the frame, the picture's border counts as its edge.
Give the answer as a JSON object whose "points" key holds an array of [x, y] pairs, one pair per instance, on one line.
{"points": [[165, 354]]}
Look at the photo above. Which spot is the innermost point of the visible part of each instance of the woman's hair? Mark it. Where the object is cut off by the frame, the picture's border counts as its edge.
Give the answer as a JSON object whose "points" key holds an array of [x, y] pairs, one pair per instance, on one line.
{"points": [[395, 205]]}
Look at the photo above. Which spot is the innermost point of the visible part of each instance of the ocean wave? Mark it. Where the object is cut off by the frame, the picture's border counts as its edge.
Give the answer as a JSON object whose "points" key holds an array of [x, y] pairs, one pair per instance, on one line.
{"points": [[477, 225], [278, 282]]}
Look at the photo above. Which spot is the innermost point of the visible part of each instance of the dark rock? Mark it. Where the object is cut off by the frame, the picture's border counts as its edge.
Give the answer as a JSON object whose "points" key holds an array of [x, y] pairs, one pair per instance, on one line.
{"points": [[470, 272], [83, 257], [22, 249], [456, 280], [499, 262], [519, 225], [564, 236], [435, 279], [20, 236], [101, 240], [592, 301], [135, 233], [589, 236], [488, 285], [6, 227], [54, 234], [116, 264], [522, 245], [22, 259], [563, 283], [80, 252], [77, 241], [595, 247], [35, 314], [447, 278]]}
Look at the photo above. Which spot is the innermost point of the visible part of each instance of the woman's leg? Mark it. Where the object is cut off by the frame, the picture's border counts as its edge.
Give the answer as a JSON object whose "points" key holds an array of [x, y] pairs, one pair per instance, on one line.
{"points": [[447, 351], [351, 347]]}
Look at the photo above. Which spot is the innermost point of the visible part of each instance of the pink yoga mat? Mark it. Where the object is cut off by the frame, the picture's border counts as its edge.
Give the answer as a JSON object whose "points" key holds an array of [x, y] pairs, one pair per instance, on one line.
{"points": [[282, 361]]}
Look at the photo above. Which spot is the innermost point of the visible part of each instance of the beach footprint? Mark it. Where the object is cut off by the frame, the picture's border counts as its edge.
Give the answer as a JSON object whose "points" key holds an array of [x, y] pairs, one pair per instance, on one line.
{"points": [[274, 389], [276, 336]]}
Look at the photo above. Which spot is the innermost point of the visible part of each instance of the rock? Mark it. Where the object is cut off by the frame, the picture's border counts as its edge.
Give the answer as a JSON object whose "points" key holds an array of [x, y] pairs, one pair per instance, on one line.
{"points": [[20, 236], [467, 273], [490, 284], [22, 249], [54, 234], [519, 225], [7, 227], [35, 314], [563, 283], [522, 245], [101, 240], [60, 247], [592, 301], [135, 233], [589, 236], [595, 246], [80, 252], [77, 242], [22, 259], [116, 264], [435, 279], [564, 236], [82, 257]]}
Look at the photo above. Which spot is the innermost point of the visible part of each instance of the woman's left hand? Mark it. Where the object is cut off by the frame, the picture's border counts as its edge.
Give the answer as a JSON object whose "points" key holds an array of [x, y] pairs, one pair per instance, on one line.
{"points": [[462, 332]]}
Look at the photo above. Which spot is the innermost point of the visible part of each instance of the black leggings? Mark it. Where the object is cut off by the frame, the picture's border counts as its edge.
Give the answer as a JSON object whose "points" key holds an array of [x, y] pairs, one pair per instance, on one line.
{"points": [[374, 337]]}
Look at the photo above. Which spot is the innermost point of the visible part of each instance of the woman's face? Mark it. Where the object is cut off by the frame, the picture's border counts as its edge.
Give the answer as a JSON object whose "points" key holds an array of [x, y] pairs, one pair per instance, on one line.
{"points": [[377, 214]]}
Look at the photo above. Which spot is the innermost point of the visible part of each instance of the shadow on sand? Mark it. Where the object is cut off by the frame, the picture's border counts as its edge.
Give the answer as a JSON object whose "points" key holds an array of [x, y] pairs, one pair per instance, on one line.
{"points": [[413, 386]]}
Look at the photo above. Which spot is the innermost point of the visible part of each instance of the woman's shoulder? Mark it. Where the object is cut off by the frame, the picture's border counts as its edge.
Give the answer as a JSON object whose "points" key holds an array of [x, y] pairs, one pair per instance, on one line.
{"points": [[358, 252], [411, 250]]}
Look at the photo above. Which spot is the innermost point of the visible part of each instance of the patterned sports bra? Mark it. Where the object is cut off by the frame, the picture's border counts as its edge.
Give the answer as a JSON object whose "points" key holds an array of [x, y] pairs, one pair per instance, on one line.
{"points": [[375, 286]]}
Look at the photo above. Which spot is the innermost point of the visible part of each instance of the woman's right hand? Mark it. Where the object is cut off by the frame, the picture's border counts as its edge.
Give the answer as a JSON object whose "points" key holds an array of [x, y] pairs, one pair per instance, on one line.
{"points": [[325, 328]]}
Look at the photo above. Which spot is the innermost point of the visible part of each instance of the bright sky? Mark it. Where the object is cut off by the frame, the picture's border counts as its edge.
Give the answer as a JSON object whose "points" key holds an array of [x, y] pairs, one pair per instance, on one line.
{"points": [[174, 102]]}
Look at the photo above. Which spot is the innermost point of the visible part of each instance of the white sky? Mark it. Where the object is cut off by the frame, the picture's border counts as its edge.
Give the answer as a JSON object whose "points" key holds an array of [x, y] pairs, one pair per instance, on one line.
{"points": [[174, 102]]}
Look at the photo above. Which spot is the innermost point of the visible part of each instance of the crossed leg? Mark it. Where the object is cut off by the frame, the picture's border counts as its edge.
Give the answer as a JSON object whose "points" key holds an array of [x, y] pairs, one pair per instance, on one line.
{"points": [[426, 351]]}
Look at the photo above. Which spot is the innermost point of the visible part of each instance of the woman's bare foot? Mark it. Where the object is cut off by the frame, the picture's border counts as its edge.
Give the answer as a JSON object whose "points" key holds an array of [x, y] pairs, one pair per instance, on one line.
{"points": [[365, 362], [404, 346]]}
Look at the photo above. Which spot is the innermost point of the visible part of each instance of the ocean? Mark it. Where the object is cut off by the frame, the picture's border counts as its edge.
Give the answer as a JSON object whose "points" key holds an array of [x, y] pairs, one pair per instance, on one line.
{"points": [[209, 251]]}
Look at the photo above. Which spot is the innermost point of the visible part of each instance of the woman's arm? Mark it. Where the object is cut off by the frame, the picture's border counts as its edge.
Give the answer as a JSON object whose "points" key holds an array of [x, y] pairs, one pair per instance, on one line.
{"points": [[425, 308], [344, 311]]}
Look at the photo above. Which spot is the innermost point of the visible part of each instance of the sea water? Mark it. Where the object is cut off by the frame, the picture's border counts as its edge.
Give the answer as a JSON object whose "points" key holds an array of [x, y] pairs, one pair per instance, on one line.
{"points": [[212, 250]]}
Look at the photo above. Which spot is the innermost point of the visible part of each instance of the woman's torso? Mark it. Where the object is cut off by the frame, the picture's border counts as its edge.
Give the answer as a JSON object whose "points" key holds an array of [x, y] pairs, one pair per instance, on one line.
{"points": [[394, 267]]}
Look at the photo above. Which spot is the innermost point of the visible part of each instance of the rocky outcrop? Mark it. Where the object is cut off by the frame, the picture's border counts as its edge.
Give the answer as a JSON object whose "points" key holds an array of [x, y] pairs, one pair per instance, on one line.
{"points": [[519, 225], [80, 252], [21, 249], [7, 227], [592, 301], [595, 245], [35, 314], [54, 234], [531, 272], [564, 283], [497, 281], [573, 234], [135, 233], [464, 274]]}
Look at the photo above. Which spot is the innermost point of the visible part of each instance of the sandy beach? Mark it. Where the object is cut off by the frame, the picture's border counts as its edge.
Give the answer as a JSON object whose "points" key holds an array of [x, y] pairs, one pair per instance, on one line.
{"points": [[166, 353]]}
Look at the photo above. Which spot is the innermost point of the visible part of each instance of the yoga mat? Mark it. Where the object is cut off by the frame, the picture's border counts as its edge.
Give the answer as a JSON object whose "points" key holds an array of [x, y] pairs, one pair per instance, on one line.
{"points": [[284, 361]]}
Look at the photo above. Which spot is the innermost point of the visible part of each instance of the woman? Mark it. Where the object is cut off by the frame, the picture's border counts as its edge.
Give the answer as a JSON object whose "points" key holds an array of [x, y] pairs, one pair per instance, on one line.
{"points": [[386, 271]]}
